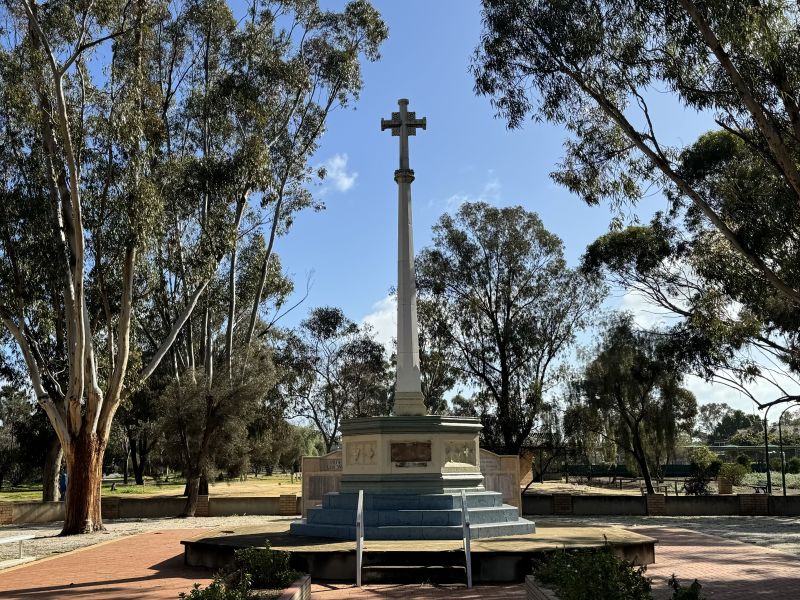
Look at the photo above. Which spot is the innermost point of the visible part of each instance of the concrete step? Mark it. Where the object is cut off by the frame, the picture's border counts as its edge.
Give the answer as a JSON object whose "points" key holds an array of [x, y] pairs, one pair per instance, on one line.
{"points": [[405, 532], [414, 574], [349, 501], [334, 516]]}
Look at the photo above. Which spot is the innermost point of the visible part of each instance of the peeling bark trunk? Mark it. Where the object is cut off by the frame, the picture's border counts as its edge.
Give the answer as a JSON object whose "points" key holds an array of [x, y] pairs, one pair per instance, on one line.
{"points": [[52, 467], [192, 488], [84, 476]]}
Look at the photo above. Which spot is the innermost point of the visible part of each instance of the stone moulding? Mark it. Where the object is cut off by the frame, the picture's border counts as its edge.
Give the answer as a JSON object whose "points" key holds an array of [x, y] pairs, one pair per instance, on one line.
{"points": [[433, 424]]}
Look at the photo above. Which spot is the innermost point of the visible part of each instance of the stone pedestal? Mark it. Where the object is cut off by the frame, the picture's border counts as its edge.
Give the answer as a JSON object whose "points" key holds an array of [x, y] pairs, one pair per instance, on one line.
{"points": [[412, 470], [411, 454]]}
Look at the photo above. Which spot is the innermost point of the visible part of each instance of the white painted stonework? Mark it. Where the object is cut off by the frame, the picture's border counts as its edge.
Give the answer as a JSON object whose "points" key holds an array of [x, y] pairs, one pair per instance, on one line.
{"points": [[408, 399]]}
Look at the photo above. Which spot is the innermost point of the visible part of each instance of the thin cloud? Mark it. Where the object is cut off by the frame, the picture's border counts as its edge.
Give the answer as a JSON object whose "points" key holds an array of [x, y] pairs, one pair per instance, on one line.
{"points": [[383, 320], [490, 193], [337, 175]]}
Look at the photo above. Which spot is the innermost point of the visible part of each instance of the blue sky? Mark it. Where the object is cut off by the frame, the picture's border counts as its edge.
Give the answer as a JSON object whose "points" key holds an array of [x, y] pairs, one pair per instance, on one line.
{"points": [[465, 154]]}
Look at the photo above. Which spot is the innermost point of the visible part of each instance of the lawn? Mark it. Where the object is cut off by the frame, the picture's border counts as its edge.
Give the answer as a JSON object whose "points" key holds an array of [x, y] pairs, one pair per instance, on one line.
{"points": [[272, 485]]}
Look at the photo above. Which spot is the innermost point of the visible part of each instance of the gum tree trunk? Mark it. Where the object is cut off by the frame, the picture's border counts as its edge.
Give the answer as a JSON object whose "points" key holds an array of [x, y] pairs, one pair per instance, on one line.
{"points": [[192, 488], [84, 476], [52, 467]]}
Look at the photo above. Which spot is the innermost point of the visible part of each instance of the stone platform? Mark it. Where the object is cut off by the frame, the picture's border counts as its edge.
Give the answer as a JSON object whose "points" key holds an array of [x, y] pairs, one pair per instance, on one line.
{"points": [[497, 559], [412, 517]]}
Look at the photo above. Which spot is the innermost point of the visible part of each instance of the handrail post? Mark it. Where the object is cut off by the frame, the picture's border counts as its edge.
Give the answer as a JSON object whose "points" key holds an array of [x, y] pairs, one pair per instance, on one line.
{"points": [[359, 535], [466, 538]]}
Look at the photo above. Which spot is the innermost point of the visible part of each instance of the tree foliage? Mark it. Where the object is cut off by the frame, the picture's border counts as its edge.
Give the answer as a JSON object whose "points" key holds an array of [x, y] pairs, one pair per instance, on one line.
{"points": [[333, 369], [594, 68], [136, 139], [631, 393], [509, 306]]}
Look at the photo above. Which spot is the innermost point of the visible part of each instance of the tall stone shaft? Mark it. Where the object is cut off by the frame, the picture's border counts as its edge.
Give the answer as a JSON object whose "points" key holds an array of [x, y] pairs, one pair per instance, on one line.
{"points": [[408, 398]]}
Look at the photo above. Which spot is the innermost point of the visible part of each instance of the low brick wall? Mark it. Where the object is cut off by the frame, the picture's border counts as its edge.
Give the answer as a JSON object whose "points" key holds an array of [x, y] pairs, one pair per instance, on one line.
{"points": [[696, 506], [30, 512], [299, 590], [608, 505], [655, 504], [546, 504], [120, 507], [753, 504], [658, 504], [788, 506], [533, 591]]}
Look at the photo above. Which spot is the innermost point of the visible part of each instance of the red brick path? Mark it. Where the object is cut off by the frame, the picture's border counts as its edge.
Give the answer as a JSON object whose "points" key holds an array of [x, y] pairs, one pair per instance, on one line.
{"points": [[727, 570], [150, 567], [417, 592], [142, 567]]}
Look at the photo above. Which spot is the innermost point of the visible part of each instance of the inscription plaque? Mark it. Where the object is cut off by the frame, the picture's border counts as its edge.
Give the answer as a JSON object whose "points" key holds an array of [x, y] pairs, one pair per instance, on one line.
{"points": [[411, 452]]}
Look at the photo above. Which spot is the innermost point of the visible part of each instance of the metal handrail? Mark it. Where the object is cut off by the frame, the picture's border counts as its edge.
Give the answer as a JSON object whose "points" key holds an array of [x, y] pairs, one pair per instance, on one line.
{"points": [[466, 537], [359, 536]]}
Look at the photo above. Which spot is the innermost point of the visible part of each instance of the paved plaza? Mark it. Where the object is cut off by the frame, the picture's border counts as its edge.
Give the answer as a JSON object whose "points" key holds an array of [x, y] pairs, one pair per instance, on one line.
{"points": [[734, 558]]}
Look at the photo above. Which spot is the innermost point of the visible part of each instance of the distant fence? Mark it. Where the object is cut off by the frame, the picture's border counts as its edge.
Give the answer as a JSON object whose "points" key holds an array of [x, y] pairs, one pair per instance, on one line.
{"points": [[660, 505], [116, 507]]}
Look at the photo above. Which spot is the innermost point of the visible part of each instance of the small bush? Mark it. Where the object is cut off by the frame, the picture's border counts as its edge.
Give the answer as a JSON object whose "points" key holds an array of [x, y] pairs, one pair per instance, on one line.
{"points": [[775, 464], [593, 575], [733, 472], [745, 461], [793, 466], [267, 569], [702, 456], [219, 590], [693, 592]]}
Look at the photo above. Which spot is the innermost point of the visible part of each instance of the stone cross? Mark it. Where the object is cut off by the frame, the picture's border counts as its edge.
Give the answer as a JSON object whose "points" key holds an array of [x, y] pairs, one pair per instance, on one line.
{"points": [[403, 124], [408, 399]]}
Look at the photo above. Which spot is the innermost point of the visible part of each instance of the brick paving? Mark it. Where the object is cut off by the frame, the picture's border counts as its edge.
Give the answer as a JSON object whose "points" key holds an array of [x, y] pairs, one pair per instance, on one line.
{"points": [[727, 569], [148, 566], [417, 592]]}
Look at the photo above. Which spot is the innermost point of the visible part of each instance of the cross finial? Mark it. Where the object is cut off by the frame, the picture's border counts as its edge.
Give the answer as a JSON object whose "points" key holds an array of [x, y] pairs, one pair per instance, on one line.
{"points": [[403, 123]]}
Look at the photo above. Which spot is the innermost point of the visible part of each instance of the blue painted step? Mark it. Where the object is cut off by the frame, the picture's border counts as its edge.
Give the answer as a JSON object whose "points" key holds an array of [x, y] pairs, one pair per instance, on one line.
{"points": [[432, 532], [348, 501], [489, 514]]}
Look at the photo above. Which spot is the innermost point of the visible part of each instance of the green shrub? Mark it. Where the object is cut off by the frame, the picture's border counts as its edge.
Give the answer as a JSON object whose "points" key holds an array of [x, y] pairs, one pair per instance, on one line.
{"points": [[593, 575], [733, 472], [219, 590], [267, 569], [702, 456], [775, 464], [793, 465], [745, 461], [693, 592]]}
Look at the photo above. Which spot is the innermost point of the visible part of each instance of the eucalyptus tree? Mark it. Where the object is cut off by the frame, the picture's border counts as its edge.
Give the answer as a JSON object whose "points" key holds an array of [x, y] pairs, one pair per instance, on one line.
{"points": [[205, 422], [511, 306], [631, 394], [727, 318], [437, 356], [135, 141], [597, 67], [330, 368]]}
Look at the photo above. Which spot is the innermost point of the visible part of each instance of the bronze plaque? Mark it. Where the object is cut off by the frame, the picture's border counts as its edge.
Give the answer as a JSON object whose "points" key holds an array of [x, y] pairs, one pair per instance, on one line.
{"points": [[411, 452]]}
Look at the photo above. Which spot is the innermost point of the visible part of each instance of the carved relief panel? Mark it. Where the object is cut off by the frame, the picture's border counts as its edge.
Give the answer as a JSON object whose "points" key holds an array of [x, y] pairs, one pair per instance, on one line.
{"points": [[460, 451], [360, 453]]}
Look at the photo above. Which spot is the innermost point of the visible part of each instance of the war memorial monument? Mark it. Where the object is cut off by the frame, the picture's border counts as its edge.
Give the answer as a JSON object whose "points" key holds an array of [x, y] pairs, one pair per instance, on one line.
{"points": [[412, 470], [412, 466]]}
